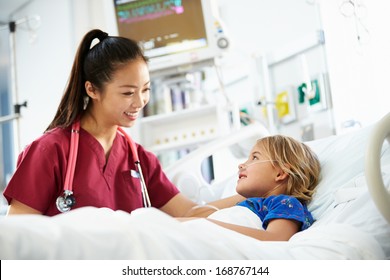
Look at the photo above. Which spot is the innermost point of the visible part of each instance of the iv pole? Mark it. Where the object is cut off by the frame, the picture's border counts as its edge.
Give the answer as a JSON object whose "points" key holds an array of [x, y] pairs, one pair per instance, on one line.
{"points": [[14, 85]]}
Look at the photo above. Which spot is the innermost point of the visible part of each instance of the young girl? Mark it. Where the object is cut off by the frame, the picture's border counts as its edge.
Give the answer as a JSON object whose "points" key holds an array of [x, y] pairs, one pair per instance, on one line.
{"points": [[277, 180]]}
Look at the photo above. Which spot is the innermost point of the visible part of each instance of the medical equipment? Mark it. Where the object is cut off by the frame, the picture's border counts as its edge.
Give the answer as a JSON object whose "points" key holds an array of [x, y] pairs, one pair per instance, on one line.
{"points": [[246, 165], [67, 200], [194, 46]]}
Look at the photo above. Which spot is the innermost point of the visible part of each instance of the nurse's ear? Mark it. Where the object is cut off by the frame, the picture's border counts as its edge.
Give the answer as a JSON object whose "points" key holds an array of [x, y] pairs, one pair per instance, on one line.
{"points": [[91, 90]]}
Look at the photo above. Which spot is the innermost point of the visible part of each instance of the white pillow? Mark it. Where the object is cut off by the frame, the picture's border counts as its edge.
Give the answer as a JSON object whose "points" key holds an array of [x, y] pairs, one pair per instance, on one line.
{"points": [[342, 159], [354, 206]]}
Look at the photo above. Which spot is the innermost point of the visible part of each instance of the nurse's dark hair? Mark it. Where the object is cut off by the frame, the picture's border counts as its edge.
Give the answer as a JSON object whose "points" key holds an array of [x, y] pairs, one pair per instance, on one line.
{"points": [[97, 64]]}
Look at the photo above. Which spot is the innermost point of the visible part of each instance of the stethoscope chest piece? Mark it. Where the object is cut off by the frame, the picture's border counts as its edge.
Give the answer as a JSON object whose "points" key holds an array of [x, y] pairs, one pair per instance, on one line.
{"points": [[66, 201]]}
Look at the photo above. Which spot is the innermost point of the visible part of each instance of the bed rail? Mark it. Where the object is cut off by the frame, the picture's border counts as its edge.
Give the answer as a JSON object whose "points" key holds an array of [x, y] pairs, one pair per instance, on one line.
{"points": [[373, 172]]}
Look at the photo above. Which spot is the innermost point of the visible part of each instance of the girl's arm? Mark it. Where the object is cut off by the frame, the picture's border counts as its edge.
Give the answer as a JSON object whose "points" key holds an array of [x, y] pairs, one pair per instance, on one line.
{"points": [[277, 230]]}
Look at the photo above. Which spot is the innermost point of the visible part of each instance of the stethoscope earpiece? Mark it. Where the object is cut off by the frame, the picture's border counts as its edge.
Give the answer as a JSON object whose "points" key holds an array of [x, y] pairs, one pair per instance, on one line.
{"points": [[66, 201]]}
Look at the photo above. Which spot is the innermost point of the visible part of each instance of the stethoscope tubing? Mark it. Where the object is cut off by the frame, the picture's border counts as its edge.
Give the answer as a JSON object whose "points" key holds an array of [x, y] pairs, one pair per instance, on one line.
{"points": [[66, 201], [145, 195], [133, 148], [74, 146]]}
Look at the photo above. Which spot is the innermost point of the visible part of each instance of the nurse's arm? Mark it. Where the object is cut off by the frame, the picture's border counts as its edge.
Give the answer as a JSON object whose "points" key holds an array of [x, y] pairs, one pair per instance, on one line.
{"points": [[181, 206], [202, 211], [227, 202], [16, 207], [178, 206]]}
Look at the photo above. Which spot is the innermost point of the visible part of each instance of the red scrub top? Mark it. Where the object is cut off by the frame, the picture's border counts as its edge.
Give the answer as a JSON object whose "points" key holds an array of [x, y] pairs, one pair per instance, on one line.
{"points": [[41, 168]]}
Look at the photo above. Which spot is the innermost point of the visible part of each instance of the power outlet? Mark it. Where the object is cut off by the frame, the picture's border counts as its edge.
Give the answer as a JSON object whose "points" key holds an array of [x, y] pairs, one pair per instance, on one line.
{"points": [[307, 132]]}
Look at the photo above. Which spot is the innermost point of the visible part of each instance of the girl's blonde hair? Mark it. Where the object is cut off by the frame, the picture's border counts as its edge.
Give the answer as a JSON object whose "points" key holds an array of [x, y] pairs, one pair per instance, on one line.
{"points": [[297, 160]]}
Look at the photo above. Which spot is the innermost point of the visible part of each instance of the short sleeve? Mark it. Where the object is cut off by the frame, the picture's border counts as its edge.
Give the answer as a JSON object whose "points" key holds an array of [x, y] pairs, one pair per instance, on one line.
{"points": [[37, 179], [286, 207], [279, 207]]}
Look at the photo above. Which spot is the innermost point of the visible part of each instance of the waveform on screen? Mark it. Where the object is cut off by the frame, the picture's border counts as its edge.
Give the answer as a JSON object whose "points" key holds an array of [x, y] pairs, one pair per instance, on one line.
{"points": [[149, 10]]}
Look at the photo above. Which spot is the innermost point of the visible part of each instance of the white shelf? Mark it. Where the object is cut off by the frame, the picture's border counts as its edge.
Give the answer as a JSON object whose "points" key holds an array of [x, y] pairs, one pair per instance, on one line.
{"points": [[172, 116], [180, 145], [184, 129]]}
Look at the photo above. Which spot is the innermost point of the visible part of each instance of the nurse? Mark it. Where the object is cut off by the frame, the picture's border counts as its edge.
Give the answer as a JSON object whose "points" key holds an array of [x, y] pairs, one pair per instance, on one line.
{"points": [[109, 85]]}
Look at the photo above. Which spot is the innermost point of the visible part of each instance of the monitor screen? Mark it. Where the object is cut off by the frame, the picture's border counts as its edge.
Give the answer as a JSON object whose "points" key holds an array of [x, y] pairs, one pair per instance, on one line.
{"points": [[171, 32]]}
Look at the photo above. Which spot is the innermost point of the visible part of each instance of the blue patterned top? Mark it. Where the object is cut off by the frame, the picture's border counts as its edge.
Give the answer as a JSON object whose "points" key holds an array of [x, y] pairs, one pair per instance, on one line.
{"points": [[279, 207]]}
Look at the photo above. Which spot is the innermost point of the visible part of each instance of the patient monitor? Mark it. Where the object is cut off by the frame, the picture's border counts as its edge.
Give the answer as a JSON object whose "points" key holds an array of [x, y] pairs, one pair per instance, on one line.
{"points": [[175, 35]]}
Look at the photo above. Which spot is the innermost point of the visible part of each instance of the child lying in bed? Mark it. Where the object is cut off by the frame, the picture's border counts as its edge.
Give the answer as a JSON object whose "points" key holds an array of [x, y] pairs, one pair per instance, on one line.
{"points": [[277, 180]]}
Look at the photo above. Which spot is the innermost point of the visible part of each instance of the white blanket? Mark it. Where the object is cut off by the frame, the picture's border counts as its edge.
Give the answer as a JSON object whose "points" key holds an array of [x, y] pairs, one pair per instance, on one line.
{"points": [[90, 233]]}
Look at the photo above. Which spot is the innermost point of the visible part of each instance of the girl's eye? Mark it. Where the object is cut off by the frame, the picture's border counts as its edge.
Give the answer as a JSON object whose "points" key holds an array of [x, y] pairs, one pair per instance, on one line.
{"points": [[128, 93]]}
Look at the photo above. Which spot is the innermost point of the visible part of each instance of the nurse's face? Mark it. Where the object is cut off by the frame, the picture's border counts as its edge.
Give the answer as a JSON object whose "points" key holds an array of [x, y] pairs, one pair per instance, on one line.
{"points": [[125, 95]]}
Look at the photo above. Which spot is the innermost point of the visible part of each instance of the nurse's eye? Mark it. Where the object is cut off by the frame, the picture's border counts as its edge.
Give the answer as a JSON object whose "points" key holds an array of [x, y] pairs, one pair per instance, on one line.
{"points": [[129, 93], [146, 90]]}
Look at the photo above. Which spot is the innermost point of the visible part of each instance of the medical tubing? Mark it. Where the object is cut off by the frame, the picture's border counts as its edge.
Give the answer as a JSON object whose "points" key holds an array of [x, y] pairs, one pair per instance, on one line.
{"points": [[74, 142]]}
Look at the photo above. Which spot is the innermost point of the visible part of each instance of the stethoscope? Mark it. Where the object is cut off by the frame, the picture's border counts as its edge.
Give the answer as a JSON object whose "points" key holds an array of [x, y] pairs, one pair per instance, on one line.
{"points": [[67, 200]]}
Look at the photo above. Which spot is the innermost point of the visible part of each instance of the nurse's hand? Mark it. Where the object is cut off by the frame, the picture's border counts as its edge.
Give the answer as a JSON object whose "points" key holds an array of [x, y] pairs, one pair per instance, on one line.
{"points": [[16, 207]]}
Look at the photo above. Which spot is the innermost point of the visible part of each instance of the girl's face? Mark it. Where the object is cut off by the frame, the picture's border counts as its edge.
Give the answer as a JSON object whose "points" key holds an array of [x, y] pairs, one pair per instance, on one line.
{"points": [[257, 177], [124, 96]]}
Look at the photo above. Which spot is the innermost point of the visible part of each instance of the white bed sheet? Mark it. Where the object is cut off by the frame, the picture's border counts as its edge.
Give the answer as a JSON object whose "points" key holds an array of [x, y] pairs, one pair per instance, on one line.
{"points": [[91, 233]]}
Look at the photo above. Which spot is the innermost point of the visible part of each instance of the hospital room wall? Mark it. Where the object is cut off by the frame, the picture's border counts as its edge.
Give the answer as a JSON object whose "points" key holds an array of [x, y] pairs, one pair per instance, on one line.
{"points": [[357, 79], [44, 58], [277, 32], [358, 72], [256, 29]]}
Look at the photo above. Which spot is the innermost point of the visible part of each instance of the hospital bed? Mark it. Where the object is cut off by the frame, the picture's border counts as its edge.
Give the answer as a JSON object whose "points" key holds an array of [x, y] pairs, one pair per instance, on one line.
{"points": [[351, 208]]}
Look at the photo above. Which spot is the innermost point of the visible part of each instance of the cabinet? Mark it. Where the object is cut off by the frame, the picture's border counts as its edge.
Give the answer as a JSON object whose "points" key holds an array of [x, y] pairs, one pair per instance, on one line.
{"points": [[177, 119]]}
